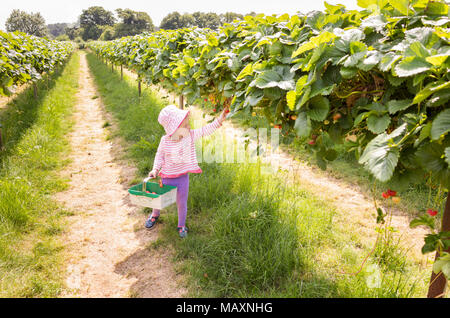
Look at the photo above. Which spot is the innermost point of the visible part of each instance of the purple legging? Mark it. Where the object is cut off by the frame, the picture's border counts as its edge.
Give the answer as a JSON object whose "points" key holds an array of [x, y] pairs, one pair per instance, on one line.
{"points": [[182, 184]]}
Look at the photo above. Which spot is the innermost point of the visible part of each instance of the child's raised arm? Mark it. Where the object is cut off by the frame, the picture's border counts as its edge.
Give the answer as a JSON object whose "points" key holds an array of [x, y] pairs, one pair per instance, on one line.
{"points": [[211, 127]]}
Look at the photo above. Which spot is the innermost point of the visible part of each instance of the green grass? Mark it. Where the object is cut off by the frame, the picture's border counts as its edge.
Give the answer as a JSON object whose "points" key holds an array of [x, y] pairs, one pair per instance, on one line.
{"points": [[252, 234], [30, 221], [415, 198]]}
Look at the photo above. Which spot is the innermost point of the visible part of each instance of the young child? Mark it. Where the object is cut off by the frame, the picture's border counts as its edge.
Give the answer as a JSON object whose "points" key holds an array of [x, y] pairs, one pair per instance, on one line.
{"points": [[176, 157]]}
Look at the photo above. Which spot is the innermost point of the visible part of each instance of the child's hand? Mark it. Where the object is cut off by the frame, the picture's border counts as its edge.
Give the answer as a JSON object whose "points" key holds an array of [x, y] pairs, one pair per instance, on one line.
{"points": [[224, 113], [153, 174]]}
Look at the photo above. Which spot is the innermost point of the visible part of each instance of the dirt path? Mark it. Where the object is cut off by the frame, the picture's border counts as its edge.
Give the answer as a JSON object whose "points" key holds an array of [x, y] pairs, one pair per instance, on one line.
{"points": [[109, 252], [355, 209]]}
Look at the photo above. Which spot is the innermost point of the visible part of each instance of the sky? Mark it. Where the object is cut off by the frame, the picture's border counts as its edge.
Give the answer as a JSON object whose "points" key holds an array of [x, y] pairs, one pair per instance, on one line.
{"points": [[69, 11]]}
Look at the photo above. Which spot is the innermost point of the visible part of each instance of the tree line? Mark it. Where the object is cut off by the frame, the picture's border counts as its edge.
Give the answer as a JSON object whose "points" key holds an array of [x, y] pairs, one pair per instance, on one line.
{"points": [[97, 23]]}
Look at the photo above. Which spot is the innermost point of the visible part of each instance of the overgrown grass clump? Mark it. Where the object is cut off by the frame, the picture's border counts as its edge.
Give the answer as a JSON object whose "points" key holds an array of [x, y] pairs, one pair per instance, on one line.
{"points": [[252, 232], [34, 138]]}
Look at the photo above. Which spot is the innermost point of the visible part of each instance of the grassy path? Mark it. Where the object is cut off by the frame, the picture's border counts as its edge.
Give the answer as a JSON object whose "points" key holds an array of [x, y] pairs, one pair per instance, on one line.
{"points": [[253, 234], [106, 243], [31, 258]]}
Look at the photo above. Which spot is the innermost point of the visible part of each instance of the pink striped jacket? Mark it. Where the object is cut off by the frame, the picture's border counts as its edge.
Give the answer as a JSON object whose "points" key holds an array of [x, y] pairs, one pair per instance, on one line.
{"points": [[175, 158]]}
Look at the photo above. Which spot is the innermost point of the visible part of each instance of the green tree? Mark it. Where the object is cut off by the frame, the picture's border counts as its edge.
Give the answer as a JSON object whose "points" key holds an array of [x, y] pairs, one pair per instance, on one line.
{"points": [[96, 16], [212, 20], [199, 19], [229, 17], [173, 21], [73, 32], [92, 32], [92, 20], [57, 29], [108, 34], [33, 23], [62, 37], [187, 20], [207, 20], [132, 23]]}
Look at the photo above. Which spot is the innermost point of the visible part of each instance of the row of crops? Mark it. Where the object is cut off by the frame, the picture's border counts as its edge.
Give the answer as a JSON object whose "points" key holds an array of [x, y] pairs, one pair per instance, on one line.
{"points": [[380, 74], [376, 79], [25, 58]]}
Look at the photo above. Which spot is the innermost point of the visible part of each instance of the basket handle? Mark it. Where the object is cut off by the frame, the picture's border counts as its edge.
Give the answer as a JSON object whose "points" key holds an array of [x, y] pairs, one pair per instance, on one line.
{"points": [[144, 183]]}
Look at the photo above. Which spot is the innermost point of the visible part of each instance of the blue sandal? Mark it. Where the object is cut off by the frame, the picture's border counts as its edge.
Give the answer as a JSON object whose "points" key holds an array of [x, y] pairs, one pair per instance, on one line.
{"points": [[149, 224], [182, 231]]}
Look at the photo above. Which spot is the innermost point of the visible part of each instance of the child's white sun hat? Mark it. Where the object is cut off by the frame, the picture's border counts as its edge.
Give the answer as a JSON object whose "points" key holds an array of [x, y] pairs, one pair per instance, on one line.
{"points": [[171, 118]]}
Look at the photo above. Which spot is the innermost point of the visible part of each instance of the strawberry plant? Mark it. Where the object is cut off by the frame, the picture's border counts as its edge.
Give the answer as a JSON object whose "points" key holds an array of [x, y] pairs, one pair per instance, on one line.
{"points": [[24, 58]]}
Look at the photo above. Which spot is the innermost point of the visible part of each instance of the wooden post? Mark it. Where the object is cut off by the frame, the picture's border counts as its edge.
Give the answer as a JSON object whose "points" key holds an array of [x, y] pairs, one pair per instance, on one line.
{"points": [[438, 282], [139, 87], [121, 72], [181, 101]]}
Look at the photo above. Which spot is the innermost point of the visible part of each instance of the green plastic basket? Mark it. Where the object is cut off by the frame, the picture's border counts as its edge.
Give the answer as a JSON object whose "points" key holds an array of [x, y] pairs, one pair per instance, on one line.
{"points": [[162, 198]]}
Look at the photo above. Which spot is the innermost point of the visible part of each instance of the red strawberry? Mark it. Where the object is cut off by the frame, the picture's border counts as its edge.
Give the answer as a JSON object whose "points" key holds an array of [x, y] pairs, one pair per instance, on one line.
{"points": [[227, 111], [385, 195], [206, 99], [432, 212], [214, 110], [312, 142], [336, 116], [391, 193]]}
